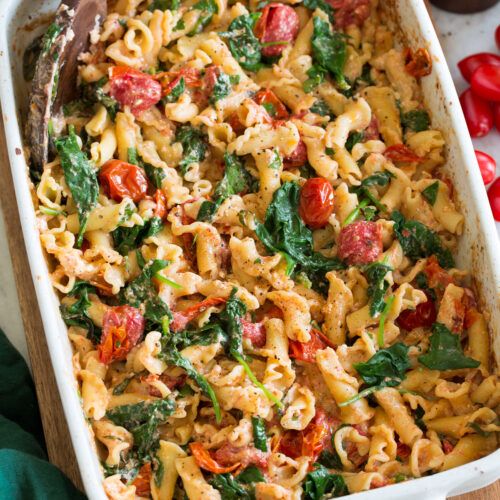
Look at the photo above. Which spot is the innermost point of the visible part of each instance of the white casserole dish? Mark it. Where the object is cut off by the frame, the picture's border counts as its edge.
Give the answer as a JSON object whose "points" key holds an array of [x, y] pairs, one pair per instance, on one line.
{"points": [[478, 249]]}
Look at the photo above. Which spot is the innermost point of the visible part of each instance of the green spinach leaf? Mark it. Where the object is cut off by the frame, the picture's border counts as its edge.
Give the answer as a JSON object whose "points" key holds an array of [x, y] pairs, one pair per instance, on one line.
{"points": [[323, 5], [259, 433], [176, 91], [417, 120], [430, 192], [127, 239], [208, 8], [320, 107], [445, 351], [222, 87], [93, 93], [377, 285], [418, 241], [251, 474], [316, 74], [194, 146], [320, 482], [80, 177], [329, 51], [243, 44], [164, 5], [230, 488], [353, 139], [284, 232]]}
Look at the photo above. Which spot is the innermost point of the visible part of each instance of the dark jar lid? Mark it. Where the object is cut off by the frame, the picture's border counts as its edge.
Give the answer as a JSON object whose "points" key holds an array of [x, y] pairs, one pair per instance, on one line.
{"points": [[464, 6]]}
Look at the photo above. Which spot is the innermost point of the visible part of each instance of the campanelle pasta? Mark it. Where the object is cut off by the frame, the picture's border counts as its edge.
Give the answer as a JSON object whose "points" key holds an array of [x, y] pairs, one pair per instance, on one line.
{"points": [[248, 217]]}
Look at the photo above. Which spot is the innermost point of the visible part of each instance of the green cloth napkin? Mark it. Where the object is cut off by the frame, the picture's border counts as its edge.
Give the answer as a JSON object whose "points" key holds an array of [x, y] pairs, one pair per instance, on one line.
{"points": [[25, 473]]}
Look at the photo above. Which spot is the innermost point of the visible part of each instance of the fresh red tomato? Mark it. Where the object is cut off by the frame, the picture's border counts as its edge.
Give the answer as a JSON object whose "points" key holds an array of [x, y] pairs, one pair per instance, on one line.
{"points": [[121, 180], [306, 351], [469, 64], [298, 156], [316, 202], [418, 63], [182, 318], [142, 481], [205, 460], [132, 88], [477, 113], [122, 328], [496, 115], [487, 166], [276, 28], [497, 36], [485, 82], [255, 332], [494, 197], [423, 315], [401, 153], [277, 109]]}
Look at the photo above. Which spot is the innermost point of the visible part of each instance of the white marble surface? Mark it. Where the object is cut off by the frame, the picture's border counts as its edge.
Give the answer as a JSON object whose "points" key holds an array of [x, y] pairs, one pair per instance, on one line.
{"points": [[461, 35]]}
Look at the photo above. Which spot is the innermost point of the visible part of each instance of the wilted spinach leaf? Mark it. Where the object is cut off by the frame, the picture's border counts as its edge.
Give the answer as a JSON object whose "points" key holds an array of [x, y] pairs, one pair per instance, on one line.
{"points": [[194, 147], [176, 91], [353, 139], [377, 285], [129, 238], [222, 87], [80, 177], [320, 107], [259, 433], [323, 5], [418, 241], [320, 482], [430, 192], [445, 351], [208, 8], [417, 120]]}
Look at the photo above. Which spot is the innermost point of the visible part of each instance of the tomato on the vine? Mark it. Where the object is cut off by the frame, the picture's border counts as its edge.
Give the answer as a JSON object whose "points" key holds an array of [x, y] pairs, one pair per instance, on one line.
{"points": [[316, 202]]}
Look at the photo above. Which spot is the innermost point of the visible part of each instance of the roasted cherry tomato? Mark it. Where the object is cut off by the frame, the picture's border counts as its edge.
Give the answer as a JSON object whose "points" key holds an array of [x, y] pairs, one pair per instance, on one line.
{"points": [[316, 202], [274, 106], [487, 166], [182, 318], [306, 351], [191, 77], [276, 28], [349, 12], [255, 332], [298, 156], [161, 204], [437, 277], [205, 460], [142, 481], [123, 180], [360, 243], [122, 329], [401, 153], [485, 82], [496, 115], [290, 443], [317, 435], [477, 112], [132, 88], [418, 63], [468, 65], [494, 197], [423, 315]]}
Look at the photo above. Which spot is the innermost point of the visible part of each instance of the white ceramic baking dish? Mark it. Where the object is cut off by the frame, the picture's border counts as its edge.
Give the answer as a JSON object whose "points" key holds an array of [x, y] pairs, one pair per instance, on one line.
{"points": [[21, 20]]}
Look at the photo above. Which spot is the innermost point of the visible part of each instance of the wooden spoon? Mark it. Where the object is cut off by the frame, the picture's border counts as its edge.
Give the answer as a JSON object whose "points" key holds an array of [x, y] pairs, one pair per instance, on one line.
{"points": [[55, 78]]}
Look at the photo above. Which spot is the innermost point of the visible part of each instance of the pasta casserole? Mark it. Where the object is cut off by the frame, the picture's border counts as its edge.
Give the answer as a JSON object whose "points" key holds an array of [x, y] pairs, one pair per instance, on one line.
{"points": [[247, 216]]}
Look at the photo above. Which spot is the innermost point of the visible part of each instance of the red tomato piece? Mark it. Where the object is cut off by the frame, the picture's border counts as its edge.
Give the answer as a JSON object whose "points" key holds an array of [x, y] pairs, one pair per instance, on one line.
{"points": [[423, 315], [401, 153], [372, 131], [494, 197], [317, 435], [236, 125], [122, 328], [469, 64], [205, 460], [279, 111], [291, 444], [447, 446], [487, 166], [306, 351], [228, 454], [182, 318], [437, 277], [298, 156], [496, 115], [161, 204], [349, 12], [121, 180], [485, 82], [142, 481], [255, 332], [477, 113], [360, 243], [132, 88], [418, 63], [278, 23], [316, 202], [403, 450], [497, 36]]}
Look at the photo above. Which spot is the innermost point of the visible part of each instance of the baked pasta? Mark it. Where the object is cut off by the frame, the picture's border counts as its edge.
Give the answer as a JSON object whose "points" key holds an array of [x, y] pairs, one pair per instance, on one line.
{"points": [[249, 221]]}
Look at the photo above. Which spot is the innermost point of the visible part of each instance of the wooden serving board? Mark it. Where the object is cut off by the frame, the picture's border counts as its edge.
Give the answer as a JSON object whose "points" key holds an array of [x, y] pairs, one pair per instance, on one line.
{"points": [[57, 437]]}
